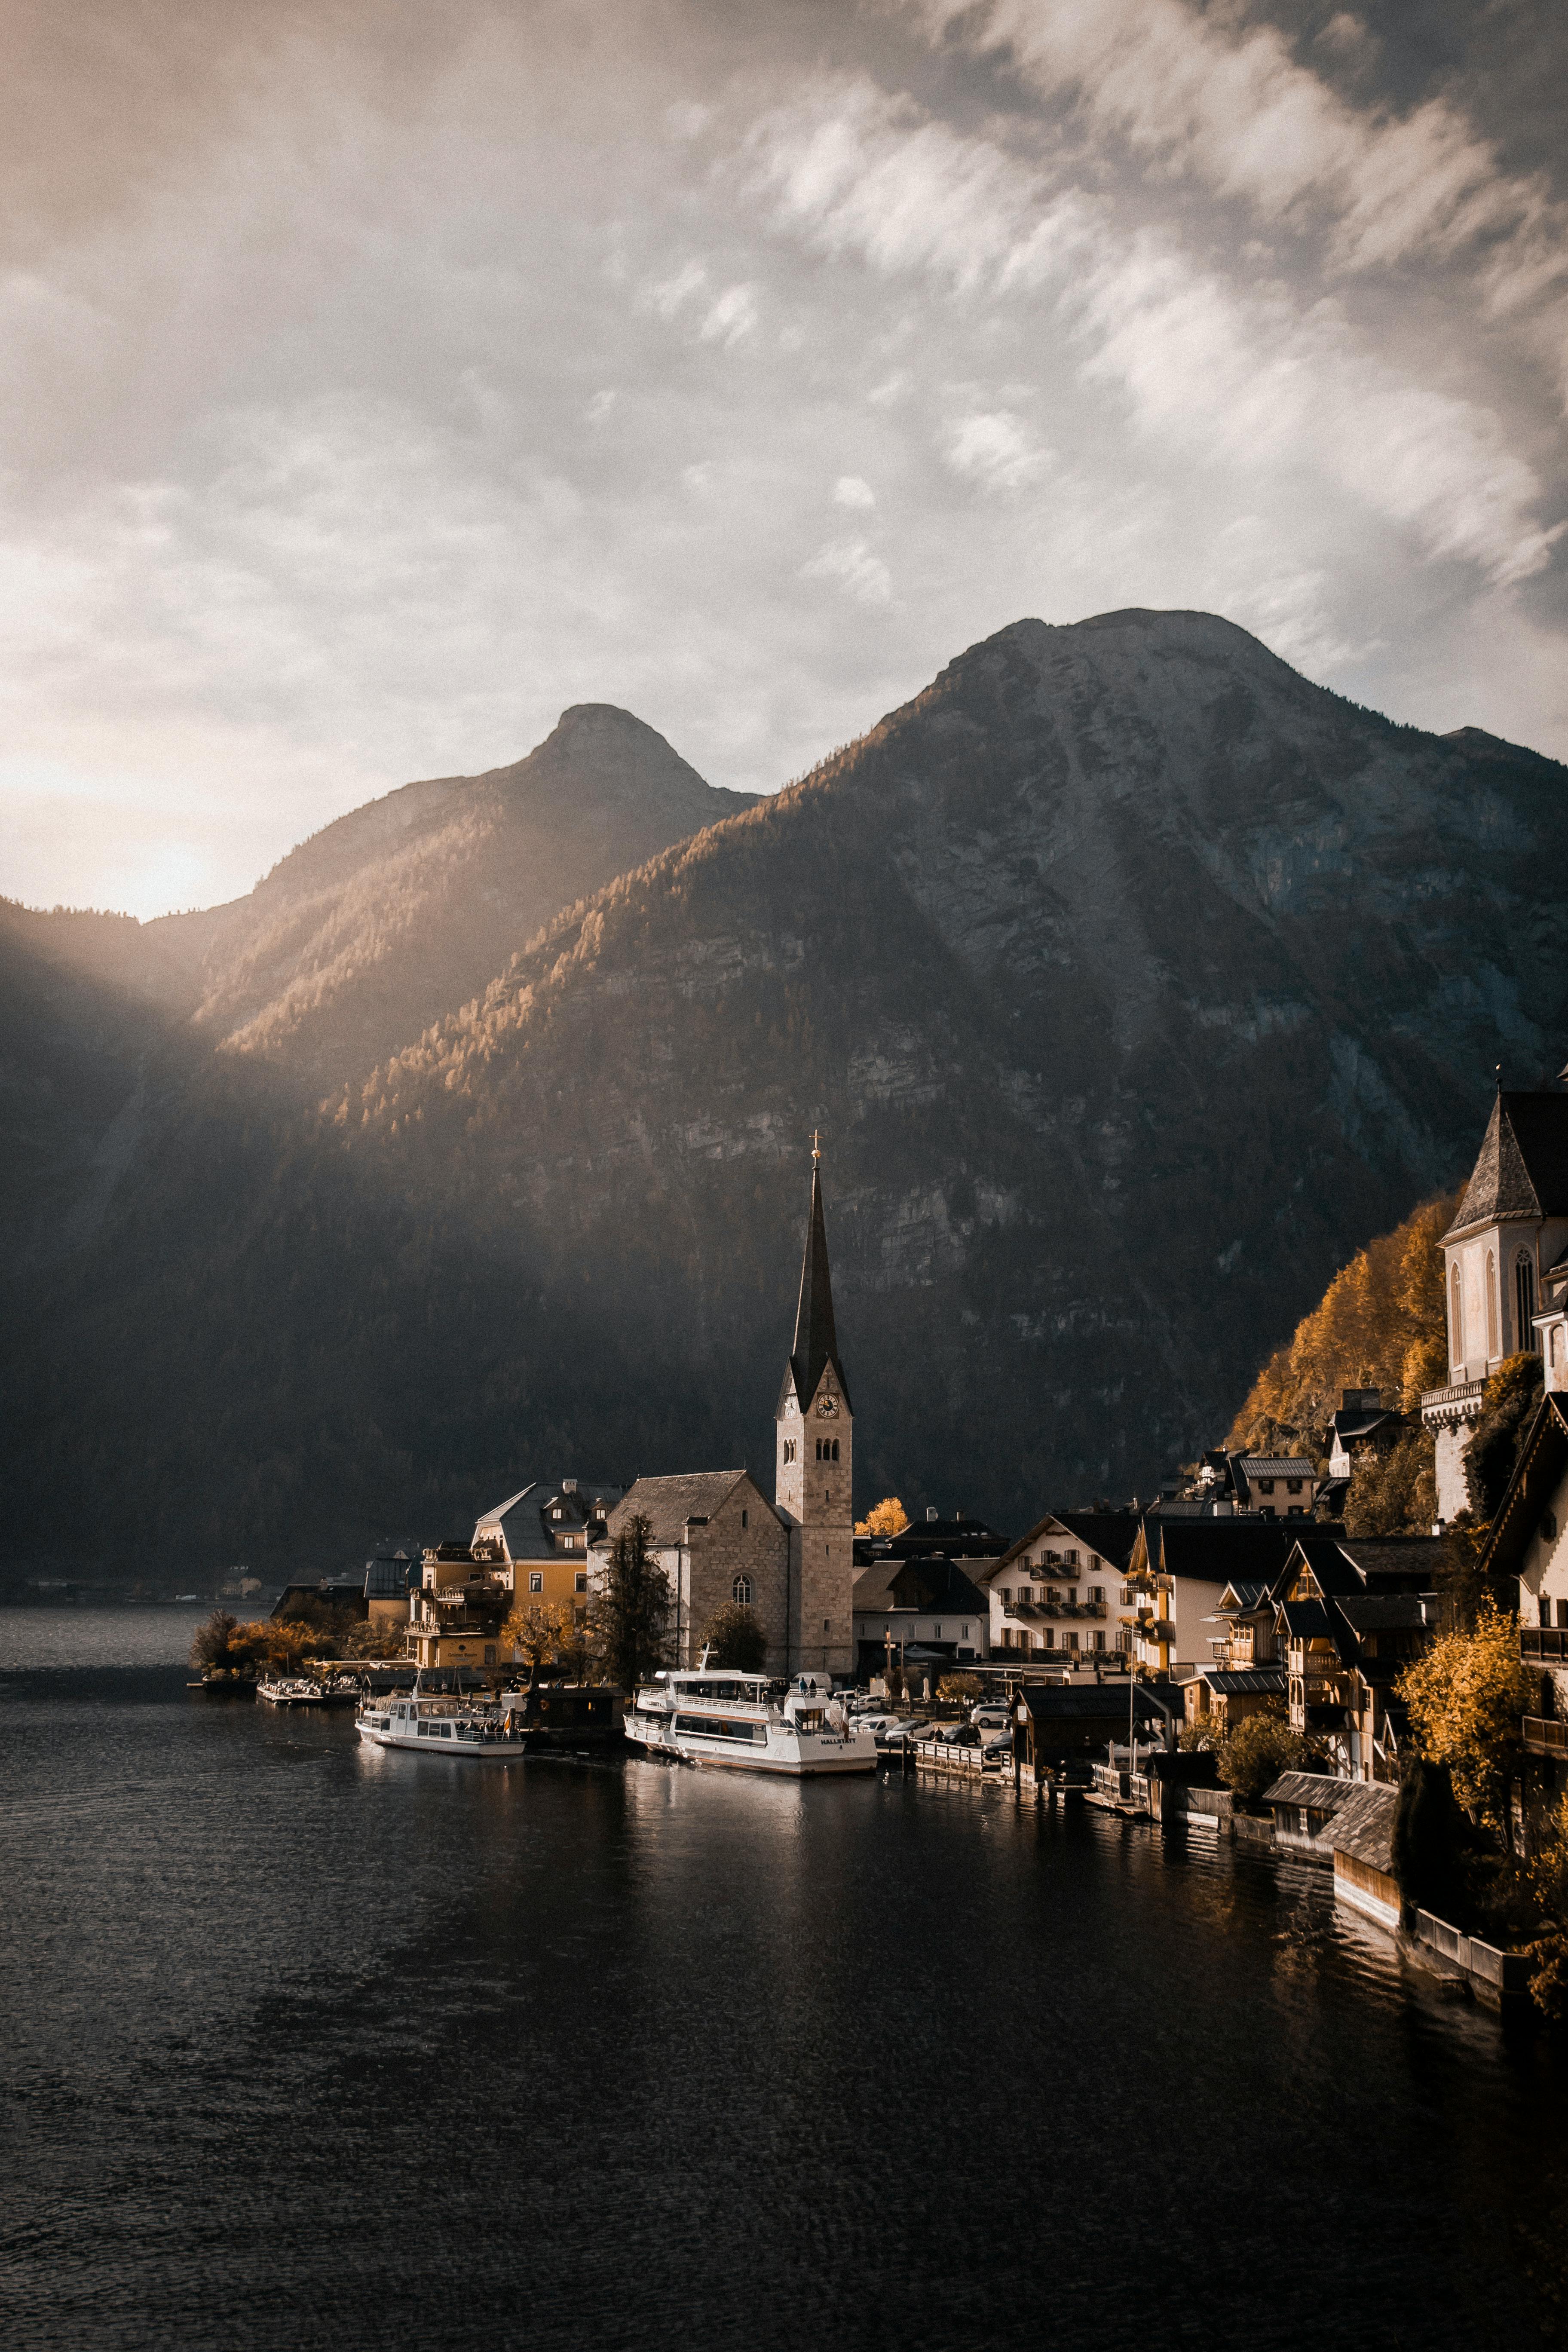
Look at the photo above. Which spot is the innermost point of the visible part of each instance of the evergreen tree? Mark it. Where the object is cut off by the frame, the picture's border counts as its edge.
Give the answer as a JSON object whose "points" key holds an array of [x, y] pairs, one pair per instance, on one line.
{"points": [[632, 1613]]}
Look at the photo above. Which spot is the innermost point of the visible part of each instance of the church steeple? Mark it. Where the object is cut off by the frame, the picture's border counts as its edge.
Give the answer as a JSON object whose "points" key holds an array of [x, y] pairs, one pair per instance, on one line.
{"points": [[815, 1466], [816, 1341]]}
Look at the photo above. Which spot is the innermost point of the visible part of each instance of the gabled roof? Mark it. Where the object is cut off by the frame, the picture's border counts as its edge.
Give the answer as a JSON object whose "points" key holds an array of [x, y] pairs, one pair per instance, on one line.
{"points": [[1088, 1703], [520, 1518], [1522, 1168], [1111, 1534], [1321, 1793], [1241, 1594], [1542, 1459], [1382, 1612], [1272, 1466], [891, 1584], [1307, 1620], [1243, 1682], [1216, 1551], [1363, 1826], [668, 1503], [815, 1338]]}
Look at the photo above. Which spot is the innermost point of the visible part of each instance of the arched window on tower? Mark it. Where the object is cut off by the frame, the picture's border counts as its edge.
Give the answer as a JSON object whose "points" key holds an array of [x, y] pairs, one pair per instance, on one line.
{"points": [[1493, 1344], [1457, 1294], [835, 1449], [740, 1591], [1524, 1300]]}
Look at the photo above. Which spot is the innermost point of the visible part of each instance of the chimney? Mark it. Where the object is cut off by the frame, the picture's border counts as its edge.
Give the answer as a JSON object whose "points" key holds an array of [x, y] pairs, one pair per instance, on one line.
{"points": [[931, 1511]]}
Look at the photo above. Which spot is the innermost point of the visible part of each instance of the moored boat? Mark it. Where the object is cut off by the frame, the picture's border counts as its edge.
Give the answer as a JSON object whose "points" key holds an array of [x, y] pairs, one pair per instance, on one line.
{"points": [[745, 1723], [439, 1726]]}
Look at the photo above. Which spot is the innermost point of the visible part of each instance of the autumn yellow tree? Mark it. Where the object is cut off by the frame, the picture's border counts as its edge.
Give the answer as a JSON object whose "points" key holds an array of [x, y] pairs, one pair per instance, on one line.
{"points": [[1466, 1697], [1379, 1324], [888, 1517], [544, 1630]]}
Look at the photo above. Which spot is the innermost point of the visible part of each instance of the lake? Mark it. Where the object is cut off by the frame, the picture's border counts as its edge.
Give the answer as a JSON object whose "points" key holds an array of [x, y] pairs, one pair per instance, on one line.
{"points": [[310, 2045]]}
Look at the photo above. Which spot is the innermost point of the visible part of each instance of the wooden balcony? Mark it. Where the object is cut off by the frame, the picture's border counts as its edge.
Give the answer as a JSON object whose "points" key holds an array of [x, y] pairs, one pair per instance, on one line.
{"points": [[1541, 1642], [1543, 1736]]}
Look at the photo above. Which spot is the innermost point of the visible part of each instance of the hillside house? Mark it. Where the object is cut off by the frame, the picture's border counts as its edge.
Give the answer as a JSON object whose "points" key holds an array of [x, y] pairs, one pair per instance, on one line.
{"points": [[1529, 1540], [1060, 1593], [537, 1539], [1352, 1613], [1502, 1255], [1178, 1574], [1362, 1425], [1276, 1487]]}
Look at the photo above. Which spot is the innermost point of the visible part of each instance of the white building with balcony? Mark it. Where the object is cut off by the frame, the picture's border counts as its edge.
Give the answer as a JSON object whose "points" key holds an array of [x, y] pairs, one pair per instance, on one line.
{"points": [[1060, 1594]]}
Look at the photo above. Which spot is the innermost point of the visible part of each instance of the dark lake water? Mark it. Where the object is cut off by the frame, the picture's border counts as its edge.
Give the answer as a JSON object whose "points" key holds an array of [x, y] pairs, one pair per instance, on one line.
{"points": [[305, 2045]]}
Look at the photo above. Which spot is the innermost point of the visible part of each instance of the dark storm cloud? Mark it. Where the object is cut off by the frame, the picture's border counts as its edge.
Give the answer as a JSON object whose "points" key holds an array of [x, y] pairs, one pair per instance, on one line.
{"points": [[381, 379]]}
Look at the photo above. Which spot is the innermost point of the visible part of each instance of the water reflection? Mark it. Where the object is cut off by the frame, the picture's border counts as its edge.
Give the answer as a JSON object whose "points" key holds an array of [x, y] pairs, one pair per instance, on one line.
{"points": [[310, 2044]]}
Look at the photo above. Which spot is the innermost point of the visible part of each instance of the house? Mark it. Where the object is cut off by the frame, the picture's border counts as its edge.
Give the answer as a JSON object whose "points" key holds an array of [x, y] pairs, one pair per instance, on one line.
{"points": [[718, 1537], [538, 1538], [1362, 1425], [1502, 1254], [1304, 1805], [1058, 1592], [1179, 1572], [456, 1612], [309, 1602], [1276, 1486], [388, 1581], [1362, 1835], [1529, 1540], [1351, 1613], [923, 1615], [1058, 1724]]}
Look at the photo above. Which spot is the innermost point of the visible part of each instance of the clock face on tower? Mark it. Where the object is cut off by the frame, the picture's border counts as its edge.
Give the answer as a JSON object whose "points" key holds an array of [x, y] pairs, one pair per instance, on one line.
{"points": [[827, 1409]]}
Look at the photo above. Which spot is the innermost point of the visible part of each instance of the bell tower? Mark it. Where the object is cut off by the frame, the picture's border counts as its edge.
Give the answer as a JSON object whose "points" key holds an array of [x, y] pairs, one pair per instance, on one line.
{"points": [[813, 1467]]}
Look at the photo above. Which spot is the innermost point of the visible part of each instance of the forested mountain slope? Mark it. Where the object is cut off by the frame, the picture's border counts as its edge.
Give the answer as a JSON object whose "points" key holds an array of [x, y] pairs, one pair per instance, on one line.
{"points": [[1133, 982]]}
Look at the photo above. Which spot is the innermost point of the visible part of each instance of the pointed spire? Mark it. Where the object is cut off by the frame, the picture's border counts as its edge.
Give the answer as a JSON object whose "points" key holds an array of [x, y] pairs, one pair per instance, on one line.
{"points": [[816, 1341]]}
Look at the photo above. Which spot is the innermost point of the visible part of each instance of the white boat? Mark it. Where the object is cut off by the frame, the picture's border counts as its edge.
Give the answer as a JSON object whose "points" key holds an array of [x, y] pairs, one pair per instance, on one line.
{"points": [[438, 1727], [708, 1715]]}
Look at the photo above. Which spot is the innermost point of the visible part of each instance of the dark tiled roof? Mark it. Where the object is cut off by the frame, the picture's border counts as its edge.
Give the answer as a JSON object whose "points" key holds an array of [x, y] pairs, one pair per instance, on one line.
{"points": [[1243, 1682], [1377, 1612], [933, 1587], [1522, 1169], [1387, 1562], [1111, 1534], [1542, 1456], [1051, 1703], [1321, 1793], [1363, 1825], [1216, 1551], [1271, 1466], [815, 1340], [529, 1534], [1243, 1592], [1307, 1620], [389, 1579], [668, 1503]]}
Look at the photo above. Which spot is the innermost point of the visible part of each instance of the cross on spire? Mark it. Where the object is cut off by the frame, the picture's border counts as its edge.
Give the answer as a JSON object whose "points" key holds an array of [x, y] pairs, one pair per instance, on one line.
{"points": [[815, 1145]]}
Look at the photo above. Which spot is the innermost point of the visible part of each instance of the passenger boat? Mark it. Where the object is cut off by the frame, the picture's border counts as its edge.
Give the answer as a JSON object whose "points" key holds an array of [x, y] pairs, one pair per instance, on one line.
{"points": [[439, 1726], [710, 1716]]}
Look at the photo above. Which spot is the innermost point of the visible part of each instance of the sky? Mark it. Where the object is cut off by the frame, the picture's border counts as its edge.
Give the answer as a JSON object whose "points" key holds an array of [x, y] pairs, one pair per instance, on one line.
{"points": [[380, 379]]}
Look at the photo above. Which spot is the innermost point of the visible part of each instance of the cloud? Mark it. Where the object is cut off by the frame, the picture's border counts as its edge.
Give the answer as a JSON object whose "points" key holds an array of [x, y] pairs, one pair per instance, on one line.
{"points": [[732, 318], [858, 572], [849, 490], [995, 452], [1207, 366]]}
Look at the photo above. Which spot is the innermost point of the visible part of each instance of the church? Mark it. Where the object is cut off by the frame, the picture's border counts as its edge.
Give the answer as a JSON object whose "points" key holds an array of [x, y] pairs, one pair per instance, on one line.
{"points": [[718, 1538]]}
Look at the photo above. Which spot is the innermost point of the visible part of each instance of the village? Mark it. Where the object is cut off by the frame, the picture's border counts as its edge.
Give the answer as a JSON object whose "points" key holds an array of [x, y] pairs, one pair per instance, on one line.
{"points": [[1224, 1659]]}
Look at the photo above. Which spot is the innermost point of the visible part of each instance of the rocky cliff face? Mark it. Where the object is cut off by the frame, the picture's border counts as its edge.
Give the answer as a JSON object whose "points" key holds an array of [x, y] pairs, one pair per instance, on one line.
{"points": [[1132, 981]]}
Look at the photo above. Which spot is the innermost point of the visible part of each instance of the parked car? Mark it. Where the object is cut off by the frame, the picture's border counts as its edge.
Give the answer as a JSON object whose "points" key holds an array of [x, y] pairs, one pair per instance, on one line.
{"points": [[902, 1728], [989, 1716]]}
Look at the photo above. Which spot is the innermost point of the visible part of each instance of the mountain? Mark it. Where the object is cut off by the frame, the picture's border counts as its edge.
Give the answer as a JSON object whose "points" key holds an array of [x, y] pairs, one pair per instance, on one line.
{"points": [[386, 920], [1133, 981]]}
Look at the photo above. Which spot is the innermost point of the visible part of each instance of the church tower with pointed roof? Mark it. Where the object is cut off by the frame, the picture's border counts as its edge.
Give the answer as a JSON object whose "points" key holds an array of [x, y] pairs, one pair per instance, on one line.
{"points": [[813, 1466]]}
